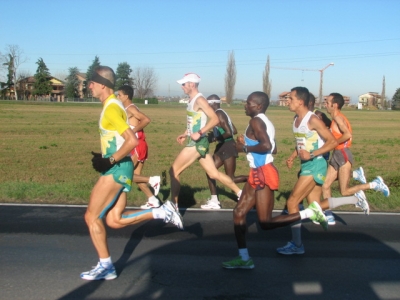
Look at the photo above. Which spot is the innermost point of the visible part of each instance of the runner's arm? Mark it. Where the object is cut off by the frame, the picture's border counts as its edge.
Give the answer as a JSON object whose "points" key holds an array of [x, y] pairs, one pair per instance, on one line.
{"points": [[330, 142], [346, 134], [212, 118], [141, 117]]}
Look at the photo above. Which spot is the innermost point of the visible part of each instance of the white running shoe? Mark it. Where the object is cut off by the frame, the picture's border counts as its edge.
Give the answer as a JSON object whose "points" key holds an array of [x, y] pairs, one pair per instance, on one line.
{"points": [[362, 202], [150, 205], [358, 174], [155, 182], [381, 186], [172, 215], [211, 205], [99, 272]]}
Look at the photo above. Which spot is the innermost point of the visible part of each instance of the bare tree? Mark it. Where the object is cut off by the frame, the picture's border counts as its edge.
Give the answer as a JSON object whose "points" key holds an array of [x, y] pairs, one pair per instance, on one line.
{"points": [[145, 81], [267, 84], [13, 59], [23, 80], [230, 78], [62, 75]]}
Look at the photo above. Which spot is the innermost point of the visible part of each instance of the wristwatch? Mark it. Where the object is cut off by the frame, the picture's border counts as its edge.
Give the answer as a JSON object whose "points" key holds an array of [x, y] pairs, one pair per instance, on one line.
{"points": [[312, 155], [244, 148], [112, 160]]}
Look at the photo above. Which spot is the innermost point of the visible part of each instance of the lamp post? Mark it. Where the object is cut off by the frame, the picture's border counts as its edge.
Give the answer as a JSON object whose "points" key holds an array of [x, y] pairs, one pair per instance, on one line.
{"points": [[320, 83]]}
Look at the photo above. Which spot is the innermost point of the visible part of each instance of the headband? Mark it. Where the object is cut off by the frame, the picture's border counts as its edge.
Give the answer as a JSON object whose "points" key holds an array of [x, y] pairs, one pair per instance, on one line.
{"points": [[96, 77], [214, 101]]}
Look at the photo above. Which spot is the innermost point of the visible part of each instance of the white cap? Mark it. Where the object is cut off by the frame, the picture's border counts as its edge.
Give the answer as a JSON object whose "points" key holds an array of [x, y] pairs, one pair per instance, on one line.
{"points": [[211, 101], [189, 77]]}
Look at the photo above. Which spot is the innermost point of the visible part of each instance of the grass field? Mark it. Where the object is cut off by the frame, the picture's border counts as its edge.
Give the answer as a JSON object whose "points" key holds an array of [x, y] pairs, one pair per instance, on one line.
{"points": [[45, 153]]}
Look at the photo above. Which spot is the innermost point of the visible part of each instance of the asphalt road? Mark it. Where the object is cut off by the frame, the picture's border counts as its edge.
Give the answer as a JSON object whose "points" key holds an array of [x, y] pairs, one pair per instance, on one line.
{"points": [[44, 249]]}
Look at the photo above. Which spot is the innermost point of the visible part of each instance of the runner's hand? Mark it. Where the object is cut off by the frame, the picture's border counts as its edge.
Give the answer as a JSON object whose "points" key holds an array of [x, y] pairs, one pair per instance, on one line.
{"points": [[96, 154], [101, 164]]}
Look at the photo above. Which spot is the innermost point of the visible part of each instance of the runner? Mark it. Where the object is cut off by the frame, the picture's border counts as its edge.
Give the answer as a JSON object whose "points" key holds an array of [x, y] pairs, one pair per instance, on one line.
{"points": [[259, 145], [108, 197], [138, 121], [198, 111], [342, 160], [225, 153], [313, 139]]}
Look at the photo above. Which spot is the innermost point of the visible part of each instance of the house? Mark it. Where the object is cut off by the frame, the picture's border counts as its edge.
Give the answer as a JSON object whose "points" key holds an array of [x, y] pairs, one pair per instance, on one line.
{"points": [[82, 88], [283, 98], [25, 89], [370, 99]]}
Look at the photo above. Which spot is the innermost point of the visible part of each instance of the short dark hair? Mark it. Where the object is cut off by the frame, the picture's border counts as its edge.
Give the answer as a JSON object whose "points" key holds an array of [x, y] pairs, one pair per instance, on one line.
{"points": [[338, 99], [311, 100], [302, 93], [213, 97], [127, 90], [260, 98]]}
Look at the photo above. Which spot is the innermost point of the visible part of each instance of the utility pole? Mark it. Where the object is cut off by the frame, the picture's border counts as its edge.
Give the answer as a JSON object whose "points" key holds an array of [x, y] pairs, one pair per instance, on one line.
{"points": [[321, 83], [321, 80]]}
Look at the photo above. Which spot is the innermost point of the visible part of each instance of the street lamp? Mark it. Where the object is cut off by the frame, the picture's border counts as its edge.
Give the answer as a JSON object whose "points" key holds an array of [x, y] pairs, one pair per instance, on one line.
{"points": [[320, 83]]}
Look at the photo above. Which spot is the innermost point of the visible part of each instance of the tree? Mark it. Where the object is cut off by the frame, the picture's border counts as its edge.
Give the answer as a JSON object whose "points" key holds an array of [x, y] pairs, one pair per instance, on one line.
{"points": [[89, 73], [42, 85], [383, 96], [22, 87], [267, 84], [145, 80], [13, 59], [72, 85], [396, 99], [123, 75], [230, 78]]}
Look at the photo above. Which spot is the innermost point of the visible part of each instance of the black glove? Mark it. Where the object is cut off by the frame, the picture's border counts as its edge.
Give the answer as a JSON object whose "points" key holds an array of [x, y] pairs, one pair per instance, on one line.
{"points": [[101, 164], [95, 154]]}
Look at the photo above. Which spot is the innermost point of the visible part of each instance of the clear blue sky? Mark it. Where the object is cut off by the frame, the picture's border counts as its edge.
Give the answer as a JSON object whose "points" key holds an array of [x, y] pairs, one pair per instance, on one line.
{"points": [[362, 39]]}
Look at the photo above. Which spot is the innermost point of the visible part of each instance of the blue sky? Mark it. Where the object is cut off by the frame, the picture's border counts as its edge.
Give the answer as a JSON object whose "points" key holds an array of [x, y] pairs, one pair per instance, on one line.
{"points": [[361, 38]]}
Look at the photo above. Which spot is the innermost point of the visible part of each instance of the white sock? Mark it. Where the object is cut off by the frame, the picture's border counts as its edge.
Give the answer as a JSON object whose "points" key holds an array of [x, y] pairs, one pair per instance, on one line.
{"points": [[153, 180], [335, 202], [372, 185], [158, 213], [306, 213], [239, 194], [244, 254], [106, 262], [153, 200], [214, 198]]}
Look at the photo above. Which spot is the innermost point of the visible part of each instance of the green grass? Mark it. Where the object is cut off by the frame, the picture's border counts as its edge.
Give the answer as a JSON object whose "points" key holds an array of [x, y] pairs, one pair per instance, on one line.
{"points": [[45, 153]]}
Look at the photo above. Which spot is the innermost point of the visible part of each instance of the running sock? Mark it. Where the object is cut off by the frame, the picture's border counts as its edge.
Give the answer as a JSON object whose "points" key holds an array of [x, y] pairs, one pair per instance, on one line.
{"points": [[239, 194], [152, 180], [244, 254], [214, 198], [335, 202], [296, 233], [158, 213], [106, 262], [372, 185], [306, 213], [153, 200]]}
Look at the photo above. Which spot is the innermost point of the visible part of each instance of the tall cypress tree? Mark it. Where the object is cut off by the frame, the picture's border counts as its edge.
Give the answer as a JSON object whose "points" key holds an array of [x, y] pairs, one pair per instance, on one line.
{"points": [[42, 85], [89, 73], [72, 86]]}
